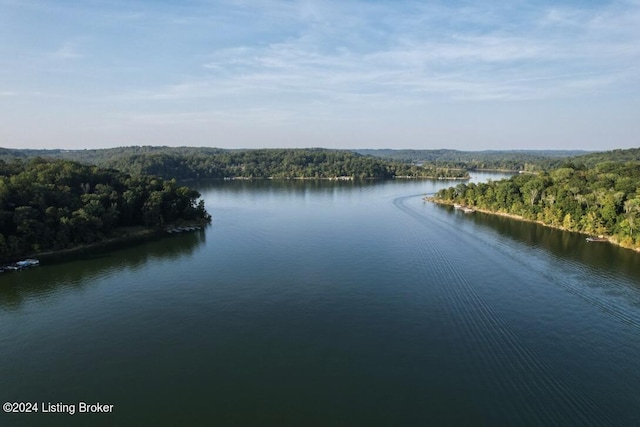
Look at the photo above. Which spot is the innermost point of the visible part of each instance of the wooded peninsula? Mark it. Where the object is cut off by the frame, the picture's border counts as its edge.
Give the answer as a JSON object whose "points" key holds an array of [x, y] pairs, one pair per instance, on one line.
{"points": [[52, 205], [602, 200]]}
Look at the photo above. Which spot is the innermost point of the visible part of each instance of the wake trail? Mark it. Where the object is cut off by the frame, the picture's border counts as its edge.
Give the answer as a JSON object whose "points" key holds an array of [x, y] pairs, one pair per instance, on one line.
{"points": [[496, 343], [572, 278]]}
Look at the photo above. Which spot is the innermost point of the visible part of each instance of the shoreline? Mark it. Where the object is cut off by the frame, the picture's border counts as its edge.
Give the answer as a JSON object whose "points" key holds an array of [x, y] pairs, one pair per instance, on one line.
{"points": [[339, 178], [608, 239], [135, 234], [125, 236]]}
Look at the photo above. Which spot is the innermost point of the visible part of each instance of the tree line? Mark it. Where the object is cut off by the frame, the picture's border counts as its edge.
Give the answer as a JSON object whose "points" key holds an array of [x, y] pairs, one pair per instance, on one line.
{"points": [[58, 204], [272, 163], [512, 160], [203, 162], [599, 200], [211, 162]]}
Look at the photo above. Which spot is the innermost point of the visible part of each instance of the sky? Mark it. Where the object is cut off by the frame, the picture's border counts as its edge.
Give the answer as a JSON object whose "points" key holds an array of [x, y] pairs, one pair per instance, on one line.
{"points": [[465, 75]]}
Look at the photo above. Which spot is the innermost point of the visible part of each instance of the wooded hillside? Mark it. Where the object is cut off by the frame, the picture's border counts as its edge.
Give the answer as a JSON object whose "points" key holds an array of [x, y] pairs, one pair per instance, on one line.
{"points": [[203, 162], [51, 205], [602, 200]]}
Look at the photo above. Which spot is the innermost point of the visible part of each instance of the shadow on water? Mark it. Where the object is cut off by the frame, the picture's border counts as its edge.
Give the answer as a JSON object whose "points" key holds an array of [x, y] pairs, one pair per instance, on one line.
{"points": [[294, 185], [562, 244], [78, 270]]}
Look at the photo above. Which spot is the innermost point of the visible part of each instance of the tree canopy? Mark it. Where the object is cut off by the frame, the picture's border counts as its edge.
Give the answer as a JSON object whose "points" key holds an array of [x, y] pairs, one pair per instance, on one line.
{"points": [[203, 162], [51, 205], [601, 200]]}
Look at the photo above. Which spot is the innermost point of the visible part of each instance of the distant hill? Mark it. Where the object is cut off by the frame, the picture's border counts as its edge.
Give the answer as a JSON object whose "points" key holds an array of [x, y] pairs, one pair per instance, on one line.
{"points": [[489, 159], [100, 156], [199, 162], [205, 162], [622, 156], [456, 155]]}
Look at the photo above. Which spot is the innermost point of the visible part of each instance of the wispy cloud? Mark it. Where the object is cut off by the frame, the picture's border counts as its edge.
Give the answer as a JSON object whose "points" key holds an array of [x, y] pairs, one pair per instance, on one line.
{"points": [[432, 54], [191, 62], [66, 51]]}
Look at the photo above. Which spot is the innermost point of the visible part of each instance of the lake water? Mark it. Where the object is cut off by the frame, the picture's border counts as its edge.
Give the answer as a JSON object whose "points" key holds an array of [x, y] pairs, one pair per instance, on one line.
{"points": [[330, 304]]}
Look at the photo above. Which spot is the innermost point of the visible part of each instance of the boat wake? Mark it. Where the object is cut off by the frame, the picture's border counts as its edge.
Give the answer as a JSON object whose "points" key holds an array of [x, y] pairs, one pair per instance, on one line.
{"points": [[546, 397]]}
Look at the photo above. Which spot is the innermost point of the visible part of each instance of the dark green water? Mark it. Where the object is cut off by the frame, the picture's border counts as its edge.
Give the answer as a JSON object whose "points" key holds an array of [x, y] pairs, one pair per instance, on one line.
{"points": [[331, 304]]}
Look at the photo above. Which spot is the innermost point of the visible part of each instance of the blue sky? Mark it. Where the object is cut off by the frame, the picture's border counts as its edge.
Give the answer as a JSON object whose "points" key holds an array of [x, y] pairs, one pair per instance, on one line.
{"points": [[341, 74]]}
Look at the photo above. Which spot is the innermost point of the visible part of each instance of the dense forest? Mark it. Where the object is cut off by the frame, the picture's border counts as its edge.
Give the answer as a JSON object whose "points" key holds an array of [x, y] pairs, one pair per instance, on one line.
{"points": [[599, 200], [620, 156], [198, 163], [53, 205], [269, 163], [512, 160], [208, 162]]}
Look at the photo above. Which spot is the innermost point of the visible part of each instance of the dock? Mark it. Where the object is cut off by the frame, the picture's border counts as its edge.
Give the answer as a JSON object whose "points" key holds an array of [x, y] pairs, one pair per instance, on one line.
{"points": [[20, 265]]}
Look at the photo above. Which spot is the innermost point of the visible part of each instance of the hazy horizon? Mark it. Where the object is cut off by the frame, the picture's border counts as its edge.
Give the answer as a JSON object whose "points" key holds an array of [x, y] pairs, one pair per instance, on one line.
{"points": [[526, 75], [558, 150]]}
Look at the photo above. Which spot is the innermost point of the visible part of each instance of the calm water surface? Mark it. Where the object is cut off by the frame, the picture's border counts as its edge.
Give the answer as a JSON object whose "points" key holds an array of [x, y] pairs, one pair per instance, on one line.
{"points": [[342, 304]]}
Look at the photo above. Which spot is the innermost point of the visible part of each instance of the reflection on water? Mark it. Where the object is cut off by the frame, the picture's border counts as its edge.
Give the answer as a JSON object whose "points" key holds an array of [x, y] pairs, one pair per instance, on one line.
{"points": [[279, 185], [79, 270], [562, 244], [603, 275]]}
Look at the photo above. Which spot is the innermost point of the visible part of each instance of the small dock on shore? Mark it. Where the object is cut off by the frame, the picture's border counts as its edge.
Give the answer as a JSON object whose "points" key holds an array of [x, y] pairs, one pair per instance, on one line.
{"points": [[173, 230], [20, 265], [464, 209]]}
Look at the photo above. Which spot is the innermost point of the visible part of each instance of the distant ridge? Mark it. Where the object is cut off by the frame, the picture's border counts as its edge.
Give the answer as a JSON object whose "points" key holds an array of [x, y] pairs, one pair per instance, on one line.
{"points": [[439, 159], [458, 155], [186, 163]]}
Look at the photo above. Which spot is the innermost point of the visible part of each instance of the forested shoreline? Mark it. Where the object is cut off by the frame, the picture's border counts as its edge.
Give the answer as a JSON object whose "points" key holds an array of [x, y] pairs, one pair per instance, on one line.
{"points": [[492, 160], [276, 164], [603, 200], [49, 205], [185, 163], [58, 199], [189, 163]]}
